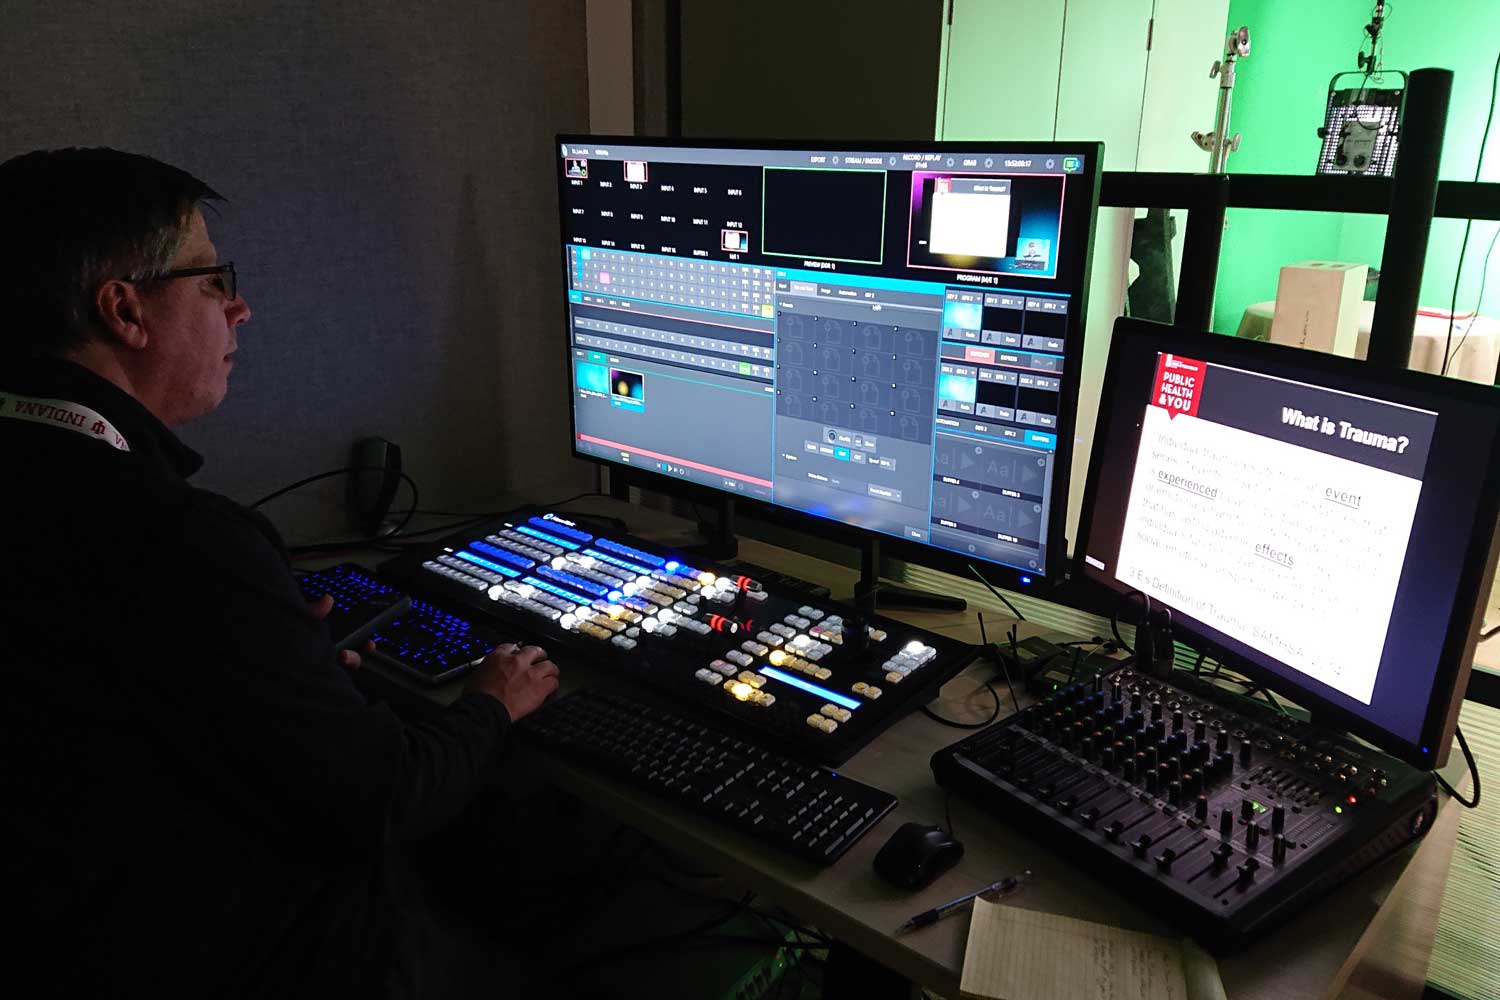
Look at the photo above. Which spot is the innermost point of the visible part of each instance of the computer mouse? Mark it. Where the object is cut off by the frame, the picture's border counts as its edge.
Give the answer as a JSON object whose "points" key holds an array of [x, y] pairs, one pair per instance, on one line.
{"points": [[916, 854]]}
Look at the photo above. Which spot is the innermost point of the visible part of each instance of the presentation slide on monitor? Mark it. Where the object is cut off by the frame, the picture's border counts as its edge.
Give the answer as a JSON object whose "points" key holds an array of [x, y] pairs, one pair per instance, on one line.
{"points": [[1276, 512]]}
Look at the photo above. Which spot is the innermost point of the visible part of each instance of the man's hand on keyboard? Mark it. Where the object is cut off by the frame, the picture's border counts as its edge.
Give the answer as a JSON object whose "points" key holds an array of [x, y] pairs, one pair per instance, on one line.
{"points": [[348, 658], [521, 678]]}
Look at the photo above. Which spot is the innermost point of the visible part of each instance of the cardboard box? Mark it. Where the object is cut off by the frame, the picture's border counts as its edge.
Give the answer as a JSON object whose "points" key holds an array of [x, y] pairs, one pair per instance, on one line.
{"points": [[1317, 306]]}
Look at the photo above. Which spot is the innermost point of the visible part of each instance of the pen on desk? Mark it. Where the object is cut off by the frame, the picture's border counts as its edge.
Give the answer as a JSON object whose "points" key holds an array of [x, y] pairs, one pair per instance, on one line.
{"points": [[991, 892]]}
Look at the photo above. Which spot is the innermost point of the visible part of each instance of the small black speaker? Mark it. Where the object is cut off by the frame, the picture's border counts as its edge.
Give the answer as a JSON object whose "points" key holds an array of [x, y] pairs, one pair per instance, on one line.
{"points": [[373, 487]]}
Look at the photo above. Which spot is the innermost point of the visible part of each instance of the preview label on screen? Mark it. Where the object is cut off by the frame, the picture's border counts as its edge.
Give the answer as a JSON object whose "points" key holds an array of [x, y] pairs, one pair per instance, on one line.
{"points": [[1276, 512]]}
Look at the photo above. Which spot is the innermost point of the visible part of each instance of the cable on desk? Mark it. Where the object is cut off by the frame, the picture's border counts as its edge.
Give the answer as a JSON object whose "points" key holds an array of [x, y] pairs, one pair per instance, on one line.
{"points": [[408, 480], [1114, 619], [1004, 670], [998, 596], [968, 725], [1490, 633], [1463, 745]]}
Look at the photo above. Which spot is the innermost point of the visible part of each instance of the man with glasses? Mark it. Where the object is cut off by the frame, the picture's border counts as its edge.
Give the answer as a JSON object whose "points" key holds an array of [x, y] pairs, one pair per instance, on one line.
{"points": [[196, 798]]}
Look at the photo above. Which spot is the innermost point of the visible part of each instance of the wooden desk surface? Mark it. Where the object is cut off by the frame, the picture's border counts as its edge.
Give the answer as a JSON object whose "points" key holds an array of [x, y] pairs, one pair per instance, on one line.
{"points": [[1369, 938]]}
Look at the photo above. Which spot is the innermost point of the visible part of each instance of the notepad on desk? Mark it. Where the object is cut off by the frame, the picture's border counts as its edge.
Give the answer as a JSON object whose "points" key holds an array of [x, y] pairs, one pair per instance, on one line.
{"points": [[1016, 954]]}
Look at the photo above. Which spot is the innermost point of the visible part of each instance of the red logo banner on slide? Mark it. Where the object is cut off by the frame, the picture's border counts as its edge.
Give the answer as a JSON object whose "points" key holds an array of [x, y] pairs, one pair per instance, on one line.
{"points": [[1179, 384]]}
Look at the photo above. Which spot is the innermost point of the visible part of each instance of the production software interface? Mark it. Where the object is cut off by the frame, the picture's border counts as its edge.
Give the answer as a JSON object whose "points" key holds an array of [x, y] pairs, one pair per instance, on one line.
{"points": [[874, 337]]}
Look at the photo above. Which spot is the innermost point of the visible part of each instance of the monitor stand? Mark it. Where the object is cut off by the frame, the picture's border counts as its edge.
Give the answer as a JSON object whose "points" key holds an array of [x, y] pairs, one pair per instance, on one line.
{"points": [[720, 541], [871, 593]]}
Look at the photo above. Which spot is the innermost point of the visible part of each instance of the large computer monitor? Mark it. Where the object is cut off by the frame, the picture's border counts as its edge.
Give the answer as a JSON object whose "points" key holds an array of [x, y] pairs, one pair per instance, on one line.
{"points": [[1325, 526], [885, 338]]}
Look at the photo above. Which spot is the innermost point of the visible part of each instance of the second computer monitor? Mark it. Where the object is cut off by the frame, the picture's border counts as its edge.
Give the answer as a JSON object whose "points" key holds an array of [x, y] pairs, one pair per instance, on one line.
{"points": [[1323, 525], [887, 338]]}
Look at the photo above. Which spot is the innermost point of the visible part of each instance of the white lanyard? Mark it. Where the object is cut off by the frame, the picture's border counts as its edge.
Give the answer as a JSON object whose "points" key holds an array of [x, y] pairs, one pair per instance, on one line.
{"points": [[61, 413]]}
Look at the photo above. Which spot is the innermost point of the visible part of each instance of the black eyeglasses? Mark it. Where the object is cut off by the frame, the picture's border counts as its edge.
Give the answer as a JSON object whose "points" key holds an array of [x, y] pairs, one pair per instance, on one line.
{"points": [[228, 283]]}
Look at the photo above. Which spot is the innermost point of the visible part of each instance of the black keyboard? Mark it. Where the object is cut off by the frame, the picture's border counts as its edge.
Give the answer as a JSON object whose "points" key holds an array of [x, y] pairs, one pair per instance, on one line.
{"points": [[433, 645], [808, 811]]}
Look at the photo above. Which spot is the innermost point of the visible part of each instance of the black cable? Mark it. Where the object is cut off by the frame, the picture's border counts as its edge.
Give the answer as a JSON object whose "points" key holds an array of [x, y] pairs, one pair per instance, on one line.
{"points": [[1489, 633], [408, 480], [948, 812], [1114, 619], [968, 725], [998, 596], [1198, 667], [1484, 277], [995, 651], [1463, 745], [1468, 224]]}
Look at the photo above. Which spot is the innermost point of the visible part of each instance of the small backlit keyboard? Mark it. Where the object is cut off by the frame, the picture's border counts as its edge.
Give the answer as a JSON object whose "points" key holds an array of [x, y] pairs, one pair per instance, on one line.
{"points": [[433, 645], [806, 810]]}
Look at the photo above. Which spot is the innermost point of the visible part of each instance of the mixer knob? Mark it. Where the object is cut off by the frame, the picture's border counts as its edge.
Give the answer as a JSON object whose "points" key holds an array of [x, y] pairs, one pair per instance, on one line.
{"points": [[1278, 849], [1174, 792], [1089, 816], [1158, 731], [1128, 771], [1226, 822], [1114, 691], [1200, 752], [1252, 837], [1278, 818], [1108, 758], [1164, 861], [1155, 709], [1247, 809], [1099, 685], [1088, 747], [1224, 763], [1247, 871], [1135, 700], [1221, 855], [1177, 721], [1245, 748], [1179, 741], [1174, 769], [1151, 782], [1221, 740], [1113, 831], [1200, 731], [1142, 845], [1130, 746], [1065, 804], [1200, 809], [1192, 782]]}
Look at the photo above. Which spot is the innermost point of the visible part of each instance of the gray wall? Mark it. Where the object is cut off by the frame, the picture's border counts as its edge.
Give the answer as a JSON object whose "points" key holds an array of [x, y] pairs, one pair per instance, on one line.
{"points": [[794, 69], [392, 216]]}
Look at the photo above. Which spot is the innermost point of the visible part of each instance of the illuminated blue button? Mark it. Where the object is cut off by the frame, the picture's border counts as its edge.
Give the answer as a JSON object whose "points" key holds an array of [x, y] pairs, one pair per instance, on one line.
{"points": [[842, 454], [616, 561], [558, 527], [655, 562], [561, 543], [554, 591], [1039, 440], [488, 564], [496, 552], [586, 253], [569, 580], [575, 296]]}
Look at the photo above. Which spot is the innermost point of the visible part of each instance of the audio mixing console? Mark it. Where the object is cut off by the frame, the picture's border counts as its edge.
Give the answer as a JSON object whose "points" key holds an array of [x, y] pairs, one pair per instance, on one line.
{"points": [[808, 676], [1222, 813]]}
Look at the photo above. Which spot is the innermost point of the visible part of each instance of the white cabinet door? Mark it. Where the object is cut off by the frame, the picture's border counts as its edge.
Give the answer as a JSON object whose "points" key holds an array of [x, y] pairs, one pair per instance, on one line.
{"points": [[999, 67], [1104, 76]]}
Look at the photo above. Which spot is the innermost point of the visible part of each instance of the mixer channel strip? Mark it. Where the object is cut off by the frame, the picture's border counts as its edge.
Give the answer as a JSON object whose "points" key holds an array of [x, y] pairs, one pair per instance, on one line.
{"points": [[1226, 817], [811, 812], [816, 675]]}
